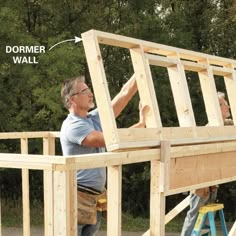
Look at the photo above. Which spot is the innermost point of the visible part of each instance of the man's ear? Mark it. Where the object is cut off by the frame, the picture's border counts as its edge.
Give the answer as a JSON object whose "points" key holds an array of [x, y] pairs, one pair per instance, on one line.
{"points": [[71, 99]]}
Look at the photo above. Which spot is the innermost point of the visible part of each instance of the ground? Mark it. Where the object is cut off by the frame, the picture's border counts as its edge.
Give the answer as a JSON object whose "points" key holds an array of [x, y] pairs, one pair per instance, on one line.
{"points": [[39, 232]]}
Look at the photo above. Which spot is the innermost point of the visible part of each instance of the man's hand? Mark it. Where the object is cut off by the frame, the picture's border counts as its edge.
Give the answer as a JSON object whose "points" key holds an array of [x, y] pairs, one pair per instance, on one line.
{"points": [[142, 116]]}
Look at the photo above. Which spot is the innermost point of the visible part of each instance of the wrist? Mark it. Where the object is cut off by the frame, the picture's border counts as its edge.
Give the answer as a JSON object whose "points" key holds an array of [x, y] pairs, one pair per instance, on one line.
{"points": [[142, 124]]}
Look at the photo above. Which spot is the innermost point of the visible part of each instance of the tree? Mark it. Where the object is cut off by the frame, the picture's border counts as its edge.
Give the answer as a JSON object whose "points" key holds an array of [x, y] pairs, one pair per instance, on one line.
{"points": [[30, 94]]}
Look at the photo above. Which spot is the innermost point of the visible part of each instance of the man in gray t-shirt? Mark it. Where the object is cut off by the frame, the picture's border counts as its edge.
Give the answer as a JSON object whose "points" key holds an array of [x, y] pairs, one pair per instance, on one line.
{"points": [[81, 132], [73, 131]]}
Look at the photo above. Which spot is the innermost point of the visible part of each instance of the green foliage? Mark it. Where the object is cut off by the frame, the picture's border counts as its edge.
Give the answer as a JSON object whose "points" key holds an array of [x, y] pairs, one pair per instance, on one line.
{"points": [[30, 94]]}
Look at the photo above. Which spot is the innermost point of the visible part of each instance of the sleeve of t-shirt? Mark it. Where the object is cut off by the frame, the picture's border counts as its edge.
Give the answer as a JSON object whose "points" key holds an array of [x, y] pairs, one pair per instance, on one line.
{"points": [[80, 129]]}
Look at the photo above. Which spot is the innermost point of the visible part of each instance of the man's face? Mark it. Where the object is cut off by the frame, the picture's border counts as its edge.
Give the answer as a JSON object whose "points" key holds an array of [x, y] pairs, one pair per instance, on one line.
{"points": [[224, 108], [83, 97]]}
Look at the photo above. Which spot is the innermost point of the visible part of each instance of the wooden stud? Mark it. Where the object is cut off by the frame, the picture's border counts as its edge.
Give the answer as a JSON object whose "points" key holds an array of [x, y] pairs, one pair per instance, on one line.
{"points": [[145, 86], [73, 202], [181, 94], [157, 202], [210, 96], [48, 149], [159, 185], [64, 204], [48, 202], [25, 191], [100, 86], [230, 84], [114, 183]]}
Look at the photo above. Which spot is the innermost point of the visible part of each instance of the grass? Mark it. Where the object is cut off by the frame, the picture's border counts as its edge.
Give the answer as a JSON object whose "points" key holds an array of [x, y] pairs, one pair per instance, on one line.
{"points": [[11, 216], [135, 224]]}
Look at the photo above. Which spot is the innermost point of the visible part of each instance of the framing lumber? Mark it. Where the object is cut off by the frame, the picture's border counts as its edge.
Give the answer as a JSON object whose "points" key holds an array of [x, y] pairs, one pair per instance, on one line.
{"points": [[181, 157], [145, 87], [48, 149], [177, 62], [25, 191], [233, 230], [114, 185], [205, 154]]}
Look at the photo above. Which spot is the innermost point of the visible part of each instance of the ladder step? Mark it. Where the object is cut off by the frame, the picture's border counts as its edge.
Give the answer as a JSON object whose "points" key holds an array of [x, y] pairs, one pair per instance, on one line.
{"points": [[208, 211], [211, 208]]}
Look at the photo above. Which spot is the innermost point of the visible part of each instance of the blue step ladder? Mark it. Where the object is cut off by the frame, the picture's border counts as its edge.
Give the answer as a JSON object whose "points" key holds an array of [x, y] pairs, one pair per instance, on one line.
{"points": [[209, 210]]}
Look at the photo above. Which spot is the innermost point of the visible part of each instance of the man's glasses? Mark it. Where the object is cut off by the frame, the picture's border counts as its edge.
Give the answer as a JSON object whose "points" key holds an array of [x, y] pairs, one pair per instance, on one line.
{"points": [[85, 91]]}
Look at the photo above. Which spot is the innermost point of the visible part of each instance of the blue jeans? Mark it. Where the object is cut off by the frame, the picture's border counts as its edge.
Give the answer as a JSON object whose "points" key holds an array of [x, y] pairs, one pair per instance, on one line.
{"points": [[195, 203], [90, 230]]}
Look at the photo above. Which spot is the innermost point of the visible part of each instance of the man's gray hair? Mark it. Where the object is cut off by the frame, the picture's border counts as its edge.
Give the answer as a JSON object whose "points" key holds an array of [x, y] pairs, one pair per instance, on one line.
{"points": [[68, 88]]}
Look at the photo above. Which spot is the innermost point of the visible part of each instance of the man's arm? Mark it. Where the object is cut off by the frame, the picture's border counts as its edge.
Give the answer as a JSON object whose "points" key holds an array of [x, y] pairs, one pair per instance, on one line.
{"points": [[142, 117], [94, 139], [120, 101]]}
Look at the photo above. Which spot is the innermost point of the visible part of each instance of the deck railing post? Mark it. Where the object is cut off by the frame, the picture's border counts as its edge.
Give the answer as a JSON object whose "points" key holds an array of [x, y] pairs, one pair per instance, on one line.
{"points": [[48, 149], [114, 182]]}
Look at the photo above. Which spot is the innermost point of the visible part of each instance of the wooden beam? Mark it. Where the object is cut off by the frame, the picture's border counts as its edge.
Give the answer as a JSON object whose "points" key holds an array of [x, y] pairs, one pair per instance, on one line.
{"points": [[25, 191], [114, 183], [55, 134], [160, 60], [64, 204], [145, 86], [201, 185], [201, 169], [157, 201], [48, 193], [179, 135], [19, 135], [230, 84], [159, 185], [222, 71], [232, 232], [210, 97], [177, 209], [173, 213], [100, 86], [48, 149], [73, 202], [181, 94], [155, 48]]}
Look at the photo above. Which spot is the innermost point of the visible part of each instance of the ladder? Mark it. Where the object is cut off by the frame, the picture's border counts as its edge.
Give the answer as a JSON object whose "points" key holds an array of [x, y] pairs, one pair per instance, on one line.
{"points": [[209, 210]]}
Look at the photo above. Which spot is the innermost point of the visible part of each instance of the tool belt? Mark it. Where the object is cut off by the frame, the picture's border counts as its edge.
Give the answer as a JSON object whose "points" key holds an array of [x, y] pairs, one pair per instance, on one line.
{"points": [[89, 201]]}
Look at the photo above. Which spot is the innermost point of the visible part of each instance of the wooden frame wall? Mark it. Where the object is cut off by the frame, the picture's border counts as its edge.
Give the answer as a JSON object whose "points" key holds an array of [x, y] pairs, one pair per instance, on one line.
{"points": [[174, 152], [60, 185], [167, 175], [177, 61]]}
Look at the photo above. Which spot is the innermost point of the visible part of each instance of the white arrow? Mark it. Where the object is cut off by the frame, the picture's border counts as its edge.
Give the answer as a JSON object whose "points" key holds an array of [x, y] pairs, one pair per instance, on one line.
{"points": [[76, 40]]}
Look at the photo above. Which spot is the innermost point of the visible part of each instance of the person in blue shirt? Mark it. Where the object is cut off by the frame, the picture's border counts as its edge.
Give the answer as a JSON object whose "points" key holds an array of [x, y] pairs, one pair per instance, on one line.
{"points": [[81, 133], [203, 196]]}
